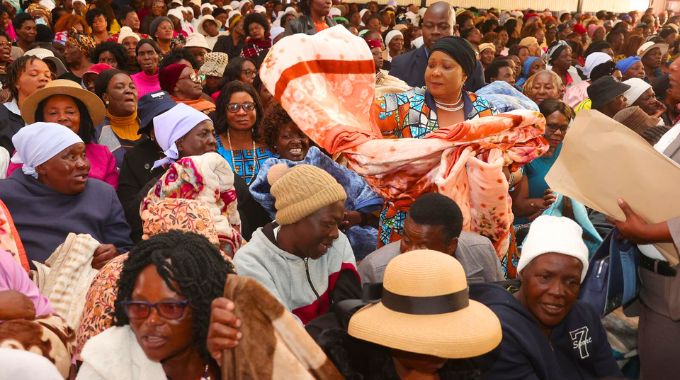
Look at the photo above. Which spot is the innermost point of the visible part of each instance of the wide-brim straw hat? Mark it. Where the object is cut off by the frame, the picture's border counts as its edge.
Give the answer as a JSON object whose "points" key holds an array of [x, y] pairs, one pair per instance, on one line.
{"points": [[208, 18], [95, 107], [425, 309]]}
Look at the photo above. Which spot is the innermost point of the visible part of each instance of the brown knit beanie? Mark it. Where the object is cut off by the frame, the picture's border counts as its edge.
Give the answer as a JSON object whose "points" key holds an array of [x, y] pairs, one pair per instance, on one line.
{"points": [[302, 190], [636, 119]]}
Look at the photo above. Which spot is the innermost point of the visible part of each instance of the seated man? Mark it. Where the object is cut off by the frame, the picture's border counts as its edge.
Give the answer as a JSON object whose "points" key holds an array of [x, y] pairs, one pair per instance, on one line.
{"points": [[302, 257], [547, 332], [434, 222]]}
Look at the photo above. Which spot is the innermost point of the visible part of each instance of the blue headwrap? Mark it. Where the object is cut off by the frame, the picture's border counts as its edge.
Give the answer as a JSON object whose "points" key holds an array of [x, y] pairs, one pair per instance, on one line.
{"points": [[527, 66], [625, 64]]}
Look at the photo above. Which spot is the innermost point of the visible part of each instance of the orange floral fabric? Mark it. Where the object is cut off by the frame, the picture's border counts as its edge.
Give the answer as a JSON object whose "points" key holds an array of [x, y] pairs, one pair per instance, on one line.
{"points": [[463, 161]]}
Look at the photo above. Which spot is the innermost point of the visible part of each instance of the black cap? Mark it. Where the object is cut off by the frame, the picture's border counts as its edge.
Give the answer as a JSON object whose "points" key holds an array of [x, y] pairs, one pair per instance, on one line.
{"points": [[604, 90], [152, 105]]}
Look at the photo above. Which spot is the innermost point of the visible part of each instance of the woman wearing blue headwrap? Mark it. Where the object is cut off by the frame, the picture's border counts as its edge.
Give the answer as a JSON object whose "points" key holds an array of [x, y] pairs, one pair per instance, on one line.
{"points": [[52, 195], [631, 67], [531, 66]]}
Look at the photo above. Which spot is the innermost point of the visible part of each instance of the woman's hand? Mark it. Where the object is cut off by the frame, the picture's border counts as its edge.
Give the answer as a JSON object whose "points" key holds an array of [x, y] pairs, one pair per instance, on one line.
{"points": [[103, 254], [549, 198], [15, 305], [223, 331]]}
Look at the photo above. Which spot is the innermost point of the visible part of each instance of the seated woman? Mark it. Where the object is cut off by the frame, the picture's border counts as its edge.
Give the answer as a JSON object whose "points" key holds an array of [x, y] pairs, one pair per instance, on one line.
{"points": [[237, 122], [531, 196], [421, 111], [119, 130], [162, 312], [179, 132], [65, 102], [184, 84], [292, 147], [531, 66], [545, 84], [28, 321], [53, 184], [403, 336]]}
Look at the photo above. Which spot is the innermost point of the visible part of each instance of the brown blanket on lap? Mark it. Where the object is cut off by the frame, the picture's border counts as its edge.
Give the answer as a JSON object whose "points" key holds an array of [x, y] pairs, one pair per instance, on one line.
{"points": [[275, 345]]}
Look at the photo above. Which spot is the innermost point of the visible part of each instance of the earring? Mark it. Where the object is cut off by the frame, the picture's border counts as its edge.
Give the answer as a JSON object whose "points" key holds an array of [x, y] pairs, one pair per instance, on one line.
{"points": [[106, 102]]}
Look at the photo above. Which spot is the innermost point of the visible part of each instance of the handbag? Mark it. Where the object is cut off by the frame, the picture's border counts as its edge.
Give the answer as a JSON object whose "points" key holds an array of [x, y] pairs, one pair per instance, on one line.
{"points": [[612, 279]]}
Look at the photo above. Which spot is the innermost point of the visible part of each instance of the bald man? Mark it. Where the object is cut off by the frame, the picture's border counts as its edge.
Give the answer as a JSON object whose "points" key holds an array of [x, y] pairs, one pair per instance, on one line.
{"points": [[438, 22]]}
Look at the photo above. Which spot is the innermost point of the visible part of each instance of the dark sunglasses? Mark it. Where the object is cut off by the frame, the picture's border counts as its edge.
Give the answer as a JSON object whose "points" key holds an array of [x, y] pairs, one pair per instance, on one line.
{"points": [[234, 107], [166, 309]]}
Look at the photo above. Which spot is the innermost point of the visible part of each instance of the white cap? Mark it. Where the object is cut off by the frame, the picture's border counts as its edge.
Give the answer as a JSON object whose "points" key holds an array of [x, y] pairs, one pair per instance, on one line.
{"points": [[554, 234], [335, 12], [79, 1], [176, 12], [275, 32], [235, 4], [197, 40], [206, 6], [637, 88], [260, 9], [593, 60], [178, 2], [126, 32]]}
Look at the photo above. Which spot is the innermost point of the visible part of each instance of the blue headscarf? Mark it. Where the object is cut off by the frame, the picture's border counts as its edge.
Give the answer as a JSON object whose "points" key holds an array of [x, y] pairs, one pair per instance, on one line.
{"points": [[525, 72], [625, 64]]}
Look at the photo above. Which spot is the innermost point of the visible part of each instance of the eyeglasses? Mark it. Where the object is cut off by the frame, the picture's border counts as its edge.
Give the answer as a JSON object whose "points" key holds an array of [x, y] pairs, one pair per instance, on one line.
{"points": [[193, 77], [249, 72], [166, 309], [234, 107], [556, 127]]}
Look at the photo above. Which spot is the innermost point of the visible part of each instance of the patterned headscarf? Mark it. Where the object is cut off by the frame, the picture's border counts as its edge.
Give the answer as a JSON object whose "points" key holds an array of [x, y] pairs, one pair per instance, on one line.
{"points": [[555, 50], [206, 178], [83, 42]]}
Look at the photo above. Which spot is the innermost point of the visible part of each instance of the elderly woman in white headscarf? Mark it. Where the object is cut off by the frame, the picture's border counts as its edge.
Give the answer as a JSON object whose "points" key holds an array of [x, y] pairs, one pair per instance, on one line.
{"points": [[52, 195], [182, 131]]}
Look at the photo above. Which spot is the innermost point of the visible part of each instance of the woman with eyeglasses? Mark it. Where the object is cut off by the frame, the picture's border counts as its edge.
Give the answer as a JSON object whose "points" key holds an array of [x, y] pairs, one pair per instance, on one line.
{"points": [[531, 196], [241, 69], [184, 85], [162, 313], [237, 121]]}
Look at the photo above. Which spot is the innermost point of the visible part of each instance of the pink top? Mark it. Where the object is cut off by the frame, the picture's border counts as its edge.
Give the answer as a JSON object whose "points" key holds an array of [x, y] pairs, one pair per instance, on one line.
{"points": [[14, 277], [146, 84], [102, 164]]}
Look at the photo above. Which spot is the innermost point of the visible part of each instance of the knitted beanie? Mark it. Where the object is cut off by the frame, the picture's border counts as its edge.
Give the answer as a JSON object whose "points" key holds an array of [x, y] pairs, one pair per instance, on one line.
{"points": [[169, 76], [636, 119], [302, 190]]}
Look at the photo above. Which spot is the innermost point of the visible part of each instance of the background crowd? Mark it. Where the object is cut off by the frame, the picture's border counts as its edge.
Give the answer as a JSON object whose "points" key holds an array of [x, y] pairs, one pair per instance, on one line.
{"points": [[321, 189]]}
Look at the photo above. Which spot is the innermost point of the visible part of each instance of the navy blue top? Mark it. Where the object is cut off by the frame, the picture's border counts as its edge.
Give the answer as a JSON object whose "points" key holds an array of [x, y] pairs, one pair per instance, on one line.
{"points": [[44, 217], [576, 349]]}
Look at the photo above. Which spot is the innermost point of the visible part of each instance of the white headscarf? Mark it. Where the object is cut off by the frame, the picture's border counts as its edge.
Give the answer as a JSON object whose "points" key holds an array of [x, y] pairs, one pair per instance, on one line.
{"points": [[390, 35], [171, 126], [35, 144], [593, 60], [637, 88]]}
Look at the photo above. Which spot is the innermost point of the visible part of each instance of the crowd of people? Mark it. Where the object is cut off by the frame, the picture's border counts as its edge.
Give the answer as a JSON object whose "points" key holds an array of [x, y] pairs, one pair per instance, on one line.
{"points": [[322, 189]]}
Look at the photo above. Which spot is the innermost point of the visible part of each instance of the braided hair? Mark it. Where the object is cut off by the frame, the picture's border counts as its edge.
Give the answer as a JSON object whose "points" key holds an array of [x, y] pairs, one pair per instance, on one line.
{"points": [[190, 265]]}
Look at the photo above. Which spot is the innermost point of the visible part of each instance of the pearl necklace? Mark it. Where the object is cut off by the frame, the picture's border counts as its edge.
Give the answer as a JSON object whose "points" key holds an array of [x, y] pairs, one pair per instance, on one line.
{"points": [[453, 107], [233, 165]]}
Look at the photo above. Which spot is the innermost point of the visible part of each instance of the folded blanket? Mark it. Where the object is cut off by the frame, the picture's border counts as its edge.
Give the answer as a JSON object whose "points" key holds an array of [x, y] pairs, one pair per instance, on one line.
{"points": [[66, 276], [274, 344]]}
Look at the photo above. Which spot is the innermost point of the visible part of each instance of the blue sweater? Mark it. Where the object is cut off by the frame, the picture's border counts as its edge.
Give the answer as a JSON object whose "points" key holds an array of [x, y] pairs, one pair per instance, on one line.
{"points": [[577, 347], [44, 217]]}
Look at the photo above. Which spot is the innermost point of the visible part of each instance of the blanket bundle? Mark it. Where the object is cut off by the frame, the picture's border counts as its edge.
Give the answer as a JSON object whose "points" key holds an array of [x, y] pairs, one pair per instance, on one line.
{"points": [[275, 345]]}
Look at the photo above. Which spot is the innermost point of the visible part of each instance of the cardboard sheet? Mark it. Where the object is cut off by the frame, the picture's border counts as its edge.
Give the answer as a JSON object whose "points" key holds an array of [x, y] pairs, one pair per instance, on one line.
{"points": [[602, 160]]}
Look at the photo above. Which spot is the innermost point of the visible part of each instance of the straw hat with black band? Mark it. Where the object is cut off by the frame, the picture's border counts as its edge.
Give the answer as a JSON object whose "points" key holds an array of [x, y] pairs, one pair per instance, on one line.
{"points": [[425, 309], [93, 104]]}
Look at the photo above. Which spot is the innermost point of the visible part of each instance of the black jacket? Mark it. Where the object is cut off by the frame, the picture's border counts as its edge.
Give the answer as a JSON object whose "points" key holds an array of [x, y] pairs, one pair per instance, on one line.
{"points": [[226, 45], [135, 173], [410, 67], [304, 24], [10, 123]]}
